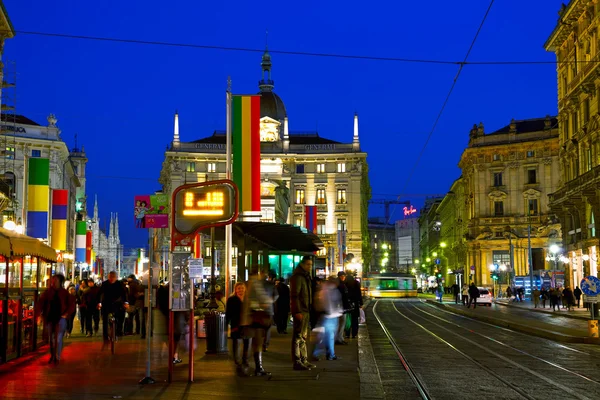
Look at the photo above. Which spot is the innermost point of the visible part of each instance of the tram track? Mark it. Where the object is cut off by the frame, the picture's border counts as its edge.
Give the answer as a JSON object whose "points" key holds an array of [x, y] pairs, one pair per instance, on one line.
{"points": [[464, 346], [419, 385], [506, 345]]}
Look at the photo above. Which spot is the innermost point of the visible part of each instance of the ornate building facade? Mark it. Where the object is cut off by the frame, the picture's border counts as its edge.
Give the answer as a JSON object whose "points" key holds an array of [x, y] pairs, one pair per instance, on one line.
{"points": [[507, 177], [317, 171], [576, 202], [21, 139]]}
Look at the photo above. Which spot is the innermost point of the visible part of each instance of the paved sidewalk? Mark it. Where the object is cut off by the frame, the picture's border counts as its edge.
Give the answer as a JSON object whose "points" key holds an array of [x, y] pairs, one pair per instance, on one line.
{"points": [[554, 326], [576, 312], [87, 372]]}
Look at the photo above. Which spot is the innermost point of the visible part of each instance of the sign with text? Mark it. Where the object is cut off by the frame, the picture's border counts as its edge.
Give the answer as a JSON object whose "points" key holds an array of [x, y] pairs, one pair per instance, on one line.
{"points": [[202, 205], [196, 267]]}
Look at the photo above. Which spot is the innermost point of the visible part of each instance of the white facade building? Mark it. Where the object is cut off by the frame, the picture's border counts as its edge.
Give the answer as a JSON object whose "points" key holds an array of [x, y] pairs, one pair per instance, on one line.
{"points": [[318, 171], [22, 139]]}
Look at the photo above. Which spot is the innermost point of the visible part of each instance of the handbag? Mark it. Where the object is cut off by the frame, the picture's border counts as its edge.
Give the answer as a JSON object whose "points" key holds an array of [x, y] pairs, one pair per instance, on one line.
{"points": [[362, 319], [261, 319]]}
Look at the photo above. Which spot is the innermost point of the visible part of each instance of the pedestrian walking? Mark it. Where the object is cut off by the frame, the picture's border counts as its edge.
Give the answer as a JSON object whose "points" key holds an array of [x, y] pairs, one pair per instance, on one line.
{"points": [[257, 315], [347, 308], [554, 295], [71, 318], [455, 292], [356, 303], [233, 316], [282, 307], [272, 292], [544, 296], [81, 305], [473, 295], [329, 302], [92, 321], [568, 297], [577, 293], [54, 307], [536, 297], [301, 304], [465, 295]]}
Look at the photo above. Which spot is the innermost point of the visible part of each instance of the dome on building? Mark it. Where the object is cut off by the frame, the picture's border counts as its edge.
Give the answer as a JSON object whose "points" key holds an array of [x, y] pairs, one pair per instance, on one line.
{"points": [[271, 104]]}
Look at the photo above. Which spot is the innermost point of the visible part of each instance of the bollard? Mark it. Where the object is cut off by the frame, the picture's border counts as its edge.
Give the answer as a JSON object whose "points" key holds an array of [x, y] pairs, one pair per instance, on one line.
{"points": [[216, 334], [593, 328]]}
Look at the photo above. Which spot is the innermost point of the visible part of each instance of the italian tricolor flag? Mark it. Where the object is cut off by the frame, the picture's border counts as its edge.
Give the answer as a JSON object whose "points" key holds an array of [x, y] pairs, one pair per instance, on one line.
{"points": [[246, 150]]}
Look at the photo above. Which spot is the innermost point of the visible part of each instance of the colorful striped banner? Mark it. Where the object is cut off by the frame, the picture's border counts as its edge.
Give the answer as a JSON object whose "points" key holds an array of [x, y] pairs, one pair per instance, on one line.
{"points": [[80, 241], [60, 200], [88, 247], [310, 218], [38, 197], [246, 151]]}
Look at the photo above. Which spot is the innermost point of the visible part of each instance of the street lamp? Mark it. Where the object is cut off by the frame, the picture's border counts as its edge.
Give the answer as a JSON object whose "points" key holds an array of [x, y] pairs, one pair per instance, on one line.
{"points": [[443, 245], [554, 256]]}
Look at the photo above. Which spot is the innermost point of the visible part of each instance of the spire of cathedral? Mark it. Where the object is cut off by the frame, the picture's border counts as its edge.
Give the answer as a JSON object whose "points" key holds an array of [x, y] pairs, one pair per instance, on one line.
{"points": [[117, 239], [111, 226], [96, 208]]}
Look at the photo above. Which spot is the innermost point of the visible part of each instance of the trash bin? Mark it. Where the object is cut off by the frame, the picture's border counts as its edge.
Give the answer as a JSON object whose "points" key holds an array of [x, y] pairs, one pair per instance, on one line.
{"points": [[216, 332], [593, 328]]}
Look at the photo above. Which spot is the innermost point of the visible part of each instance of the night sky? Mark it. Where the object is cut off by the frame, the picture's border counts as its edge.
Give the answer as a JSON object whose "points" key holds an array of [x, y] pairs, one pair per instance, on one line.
{"points": [[120, 98]]}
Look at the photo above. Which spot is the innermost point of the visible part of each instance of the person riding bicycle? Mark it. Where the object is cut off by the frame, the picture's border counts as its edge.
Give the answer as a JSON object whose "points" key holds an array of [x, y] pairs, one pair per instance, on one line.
{"points": [[112, 298]]}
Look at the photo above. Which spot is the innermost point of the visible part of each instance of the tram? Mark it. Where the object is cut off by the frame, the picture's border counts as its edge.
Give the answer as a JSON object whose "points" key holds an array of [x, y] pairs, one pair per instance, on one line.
{"points": [[390, 285]]}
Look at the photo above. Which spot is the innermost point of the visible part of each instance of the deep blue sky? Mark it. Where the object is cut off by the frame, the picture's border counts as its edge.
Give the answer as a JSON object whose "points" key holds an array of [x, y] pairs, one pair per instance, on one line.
{"points": [[120, 98]]}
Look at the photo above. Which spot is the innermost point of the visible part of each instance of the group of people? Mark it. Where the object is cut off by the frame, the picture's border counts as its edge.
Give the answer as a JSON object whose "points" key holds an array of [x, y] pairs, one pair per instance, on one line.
{"points": [[557, 296], [58, 307], [321, 306]]}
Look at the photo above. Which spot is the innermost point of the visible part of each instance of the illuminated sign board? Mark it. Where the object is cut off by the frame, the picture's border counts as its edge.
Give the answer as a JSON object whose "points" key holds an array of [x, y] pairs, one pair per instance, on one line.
{"points": [[203, 205], [409, 211]]}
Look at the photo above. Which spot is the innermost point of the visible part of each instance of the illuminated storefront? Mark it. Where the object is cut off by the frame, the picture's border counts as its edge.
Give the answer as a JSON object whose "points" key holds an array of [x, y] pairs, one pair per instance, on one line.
{"points": [[25, 270]]}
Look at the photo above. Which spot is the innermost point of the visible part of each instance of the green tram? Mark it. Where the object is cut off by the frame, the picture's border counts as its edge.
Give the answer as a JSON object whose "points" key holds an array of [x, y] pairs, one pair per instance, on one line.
{"points": [[390, 285]]}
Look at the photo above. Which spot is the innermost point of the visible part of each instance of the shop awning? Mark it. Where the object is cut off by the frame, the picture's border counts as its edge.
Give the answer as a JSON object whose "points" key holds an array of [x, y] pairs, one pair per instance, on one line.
{"points": [[15, 244], [281, 237]]}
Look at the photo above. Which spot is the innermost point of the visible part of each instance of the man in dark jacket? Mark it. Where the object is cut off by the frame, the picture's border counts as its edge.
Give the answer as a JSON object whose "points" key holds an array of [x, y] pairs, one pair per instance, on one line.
{"points": [[112, 298], [55, 306], [135, 305], [91, 298], [339, 337], [355, 298], [301, 304], [473, 295]]}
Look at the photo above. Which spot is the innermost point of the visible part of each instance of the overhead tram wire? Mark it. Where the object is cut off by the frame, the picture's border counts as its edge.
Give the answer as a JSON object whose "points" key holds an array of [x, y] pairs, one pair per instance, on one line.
{"points": [[297, 53], [439, 116]]}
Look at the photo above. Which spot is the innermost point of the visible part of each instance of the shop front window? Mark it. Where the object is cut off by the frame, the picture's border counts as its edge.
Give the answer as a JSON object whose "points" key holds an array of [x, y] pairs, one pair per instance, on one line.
{"points": [[14, 276], [30, 267]]}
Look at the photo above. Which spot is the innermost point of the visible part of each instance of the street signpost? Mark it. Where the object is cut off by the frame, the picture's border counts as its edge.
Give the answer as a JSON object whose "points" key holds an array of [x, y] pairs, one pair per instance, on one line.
{"points": [[194, 207], [590, 286]]}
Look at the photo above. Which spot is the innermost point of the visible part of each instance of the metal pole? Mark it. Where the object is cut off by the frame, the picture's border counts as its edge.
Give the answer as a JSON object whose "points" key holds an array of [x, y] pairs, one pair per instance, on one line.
{"points": [[512, 257], [530, 256], [148, 379], [213, 303], [191, 337], [228, 228]]}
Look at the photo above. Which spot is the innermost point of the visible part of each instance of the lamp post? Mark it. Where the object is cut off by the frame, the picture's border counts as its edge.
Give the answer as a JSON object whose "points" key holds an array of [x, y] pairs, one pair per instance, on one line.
{"points": [[555, 257]]}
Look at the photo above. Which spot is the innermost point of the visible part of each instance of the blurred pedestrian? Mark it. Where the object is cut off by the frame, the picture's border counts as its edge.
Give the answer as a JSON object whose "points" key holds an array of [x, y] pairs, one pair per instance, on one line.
{"points": [[356, 303], [257, 315], [93, 315], [465, 294], [535, 294], [473, 295], [347, 308], [71, 318], [274, 294], [328, 300], [233, 316], [54, 307]]}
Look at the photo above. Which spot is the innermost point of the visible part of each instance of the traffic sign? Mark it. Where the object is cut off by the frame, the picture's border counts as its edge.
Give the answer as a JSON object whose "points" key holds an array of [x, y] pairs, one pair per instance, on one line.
{"points": [[590, 285], [437, 260], [590, 299], [196, 266]]}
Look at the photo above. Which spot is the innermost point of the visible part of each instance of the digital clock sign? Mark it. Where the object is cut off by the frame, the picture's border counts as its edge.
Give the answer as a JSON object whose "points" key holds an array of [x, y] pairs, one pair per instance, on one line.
{"points": [[202, 205]]}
